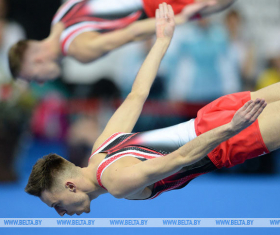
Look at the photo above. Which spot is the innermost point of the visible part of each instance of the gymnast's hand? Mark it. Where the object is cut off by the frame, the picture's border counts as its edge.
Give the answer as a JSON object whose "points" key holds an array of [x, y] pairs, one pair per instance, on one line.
{"points": [[165, 22], [247, 114]]}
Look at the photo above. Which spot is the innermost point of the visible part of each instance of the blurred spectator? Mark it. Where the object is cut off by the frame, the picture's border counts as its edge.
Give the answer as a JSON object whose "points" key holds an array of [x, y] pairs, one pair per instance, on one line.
{"points": [[81, 136], [130, 59], [241, 50], [105, 89], [49, 118], [196, 65], [16, 104], [10, 33], [272, 73]]}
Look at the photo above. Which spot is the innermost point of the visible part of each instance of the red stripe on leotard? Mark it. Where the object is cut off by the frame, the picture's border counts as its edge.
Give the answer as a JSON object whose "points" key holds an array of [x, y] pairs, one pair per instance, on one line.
{"points": [[103, 25], [110, 138], [178, 182]]}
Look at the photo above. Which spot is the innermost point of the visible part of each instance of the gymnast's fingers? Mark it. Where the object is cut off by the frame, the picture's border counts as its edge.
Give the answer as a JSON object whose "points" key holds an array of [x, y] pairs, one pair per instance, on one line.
{"points": [[259, 111]]}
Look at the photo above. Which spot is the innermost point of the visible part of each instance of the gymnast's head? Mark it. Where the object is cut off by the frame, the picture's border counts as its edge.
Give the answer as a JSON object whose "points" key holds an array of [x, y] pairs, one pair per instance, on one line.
{"points": [[59, 184], [32, 61]]}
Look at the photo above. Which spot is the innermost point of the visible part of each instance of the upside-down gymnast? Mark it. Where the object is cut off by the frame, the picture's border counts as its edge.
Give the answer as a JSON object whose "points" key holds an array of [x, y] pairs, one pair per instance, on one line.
{"points": [[139, 166], [87, 29]]}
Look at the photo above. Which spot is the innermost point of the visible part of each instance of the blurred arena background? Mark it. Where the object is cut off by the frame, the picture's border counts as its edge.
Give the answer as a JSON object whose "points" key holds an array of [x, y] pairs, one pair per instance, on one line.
{"points": [[233, 51]]}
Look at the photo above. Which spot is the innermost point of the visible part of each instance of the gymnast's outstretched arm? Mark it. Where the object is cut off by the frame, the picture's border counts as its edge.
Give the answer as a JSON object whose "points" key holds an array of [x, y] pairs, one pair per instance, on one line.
{"points": [[126, 116], [92, 46], [127, 181]]}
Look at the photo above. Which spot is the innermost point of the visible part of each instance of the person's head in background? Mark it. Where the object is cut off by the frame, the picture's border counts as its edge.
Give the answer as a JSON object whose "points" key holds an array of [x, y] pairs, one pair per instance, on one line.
{"points": [[3, 15], [272, 51], [3, 9], [233, 22], [274, 61]]}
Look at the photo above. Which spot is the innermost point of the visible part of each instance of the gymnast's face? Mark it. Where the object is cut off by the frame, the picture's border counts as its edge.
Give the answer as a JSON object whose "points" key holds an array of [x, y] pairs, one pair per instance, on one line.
{"points": [[67, 200], [39, 68]]}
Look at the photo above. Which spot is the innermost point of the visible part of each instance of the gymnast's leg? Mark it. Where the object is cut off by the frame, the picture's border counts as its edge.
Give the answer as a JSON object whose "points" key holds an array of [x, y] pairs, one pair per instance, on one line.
{"points": [[269, 123], [169, 138], [270, 93]]}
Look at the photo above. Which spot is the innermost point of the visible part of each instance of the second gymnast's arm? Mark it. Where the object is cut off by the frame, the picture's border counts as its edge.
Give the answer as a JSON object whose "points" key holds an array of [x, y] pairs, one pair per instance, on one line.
{"points": [[91, 45]]}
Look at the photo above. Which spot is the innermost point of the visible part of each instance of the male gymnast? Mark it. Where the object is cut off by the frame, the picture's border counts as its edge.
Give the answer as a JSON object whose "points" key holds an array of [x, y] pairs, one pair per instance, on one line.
{"points": [[88, 29], [140, 166]]}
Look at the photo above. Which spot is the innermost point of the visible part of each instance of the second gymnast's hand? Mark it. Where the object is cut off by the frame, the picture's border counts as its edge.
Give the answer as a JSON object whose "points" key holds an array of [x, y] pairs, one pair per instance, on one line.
{"points": [[165, 22], [247, 114]]}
